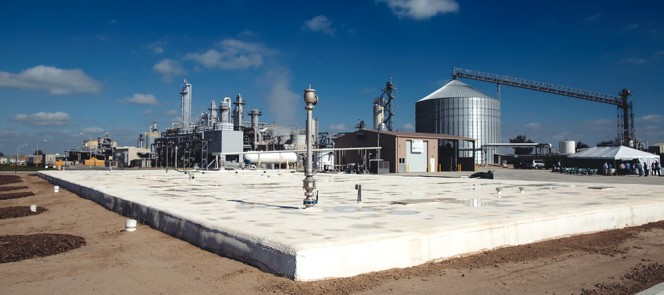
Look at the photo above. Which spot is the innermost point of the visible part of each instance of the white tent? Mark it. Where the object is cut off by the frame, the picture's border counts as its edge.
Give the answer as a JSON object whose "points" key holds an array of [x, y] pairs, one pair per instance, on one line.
{"points": [[616, 153]]}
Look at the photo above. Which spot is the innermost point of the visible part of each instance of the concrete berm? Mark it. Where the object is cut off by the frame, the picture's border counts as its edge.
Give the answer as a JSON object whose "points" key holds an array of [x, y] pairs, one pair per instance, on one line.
{"points": [[256, 216]]}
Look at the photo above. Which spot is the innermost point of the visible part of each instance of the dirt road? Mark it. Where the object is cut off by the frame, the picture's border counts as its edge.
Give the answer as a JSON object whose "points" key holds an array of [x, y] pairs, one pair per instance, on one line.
{"points": [[147, 261]]}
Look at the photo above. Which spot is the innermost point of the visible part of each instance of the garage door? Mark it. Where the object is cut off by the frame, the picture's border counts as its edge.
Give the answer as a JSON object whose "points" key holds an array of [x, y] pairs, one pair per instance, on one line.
{"points": [[416, 155]]}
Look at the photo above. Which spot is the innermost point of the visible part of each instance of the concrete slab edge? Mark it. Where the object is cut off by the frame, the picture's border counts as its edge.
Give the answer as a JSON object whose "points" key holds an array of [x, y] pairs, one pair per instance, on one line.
{"points": [[654, 290], [226, 244], [444, 243]]}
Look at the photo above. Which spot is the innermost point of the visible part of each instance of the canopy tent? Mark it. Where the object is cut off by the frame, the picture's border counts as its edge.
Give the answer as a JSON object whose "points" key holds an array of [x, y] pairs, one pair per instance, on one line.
{"points": [[614, 154], [620, 153]]}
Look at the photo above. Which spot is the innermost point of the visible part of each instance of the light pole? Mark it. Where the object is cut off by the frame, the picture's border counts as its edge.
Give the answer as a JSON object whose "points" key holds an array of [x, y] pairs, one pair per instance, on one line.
{"points": [[18, 150], [309, 183]]}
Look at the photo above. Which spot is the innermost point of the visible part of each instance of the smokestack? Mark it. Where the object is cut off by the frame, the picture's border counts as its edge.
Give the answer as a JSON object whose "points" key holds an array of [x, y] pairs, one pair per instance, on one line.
{"points": [[185, 104], [226, 110], [254, 114], [238, 112]]}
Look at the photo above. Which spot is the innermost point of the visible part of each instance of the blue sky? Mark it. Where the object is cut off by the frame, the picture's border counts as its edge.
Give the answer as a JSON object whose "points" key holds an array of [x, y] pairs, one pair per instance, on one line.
{"points": [[70, 70]]}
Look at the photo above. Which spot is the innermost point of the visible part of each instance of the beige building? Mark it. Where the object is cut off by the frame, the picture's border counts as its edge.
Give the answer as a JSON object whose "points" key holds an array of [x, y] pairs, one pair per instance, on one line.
{"points": [[407, 151]]}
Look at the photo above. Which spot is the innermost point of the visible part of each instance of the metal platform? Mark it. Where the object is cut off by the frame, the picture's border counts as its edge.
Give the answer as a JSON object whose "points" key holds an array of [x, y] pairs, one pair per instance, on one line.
{"points": [[256, 216]]}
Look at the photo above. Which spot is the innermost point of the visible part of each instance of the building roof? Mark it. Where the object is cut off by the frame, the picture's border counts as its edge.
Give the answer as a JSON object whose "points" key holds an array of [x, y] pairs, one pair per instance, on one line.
{"points": [[455, 89], [622, 153]]}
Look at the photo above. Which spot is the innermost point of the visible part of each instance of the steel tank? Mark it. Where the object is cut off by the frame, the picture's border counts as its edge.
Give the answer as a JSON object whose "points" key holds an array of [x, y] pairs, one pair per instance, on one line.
{"points": [[567, 147], [460, 110], [271, 158]]}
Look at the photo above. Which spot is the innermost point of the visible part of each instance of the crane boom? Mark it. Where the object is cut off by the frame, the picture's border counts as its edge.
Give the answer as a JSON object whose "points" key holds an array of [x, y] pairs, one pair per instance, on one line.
{"points": [[626, 134]]}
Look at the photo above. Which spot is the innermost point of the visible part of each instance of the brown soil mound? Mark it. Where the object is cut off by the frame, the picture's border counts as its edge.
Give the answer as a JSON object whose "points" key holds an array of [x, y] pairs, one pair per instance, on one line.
{"points": [[8, 196], [19, 211], [20, 247], [5, 179], [11, 188], [632, 282]]}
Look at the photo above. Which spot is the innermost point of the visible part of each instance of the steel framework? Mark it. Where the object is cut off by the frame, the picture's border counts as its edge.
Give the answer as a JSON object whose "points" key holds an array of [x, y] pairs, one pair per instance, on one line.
{"points": [[385, 100], [626, 134]]}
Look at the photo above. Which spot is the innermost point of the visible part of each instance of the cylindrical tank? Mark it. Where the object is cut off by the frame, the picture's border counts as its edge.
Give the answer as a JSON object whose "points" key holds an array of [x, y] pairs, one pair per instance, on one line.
{"points": [[325, 161], [299, 140], [214, 112], [238, 112], [185, 104], [254, 114], [226, 110], [567, 147], [271, 158], [458, 109], [150, 138], [378, 116]]}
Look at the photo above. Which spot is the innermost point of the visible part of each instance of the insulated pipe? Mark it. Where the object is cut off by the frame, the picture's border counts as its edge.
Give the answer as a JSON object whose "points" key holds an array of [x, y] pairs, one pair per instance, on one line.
{"points": [[309, 183]]}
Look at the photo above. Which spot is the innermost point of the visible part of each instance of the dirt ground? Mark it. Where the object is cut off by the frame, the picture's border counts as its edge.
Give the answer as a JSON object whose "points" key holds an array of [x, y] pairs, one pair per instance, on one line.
{"points": [[149, 262]]}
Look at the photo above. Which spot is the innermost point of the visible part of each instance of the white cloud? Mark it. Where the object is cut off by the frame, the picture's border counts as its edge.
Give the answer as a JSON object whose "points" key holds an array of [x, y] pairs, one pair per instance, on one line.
{"points": [[651, 118], [280, 98], [593, 18], [168, 68], [633, 61], [44, 119], [92, 130], [320, 24], [533, 125], [633, 26], [421, 9], [232, 54], [146, 112], [139, 98], [55, 81], [408, 127], [338, 127]]}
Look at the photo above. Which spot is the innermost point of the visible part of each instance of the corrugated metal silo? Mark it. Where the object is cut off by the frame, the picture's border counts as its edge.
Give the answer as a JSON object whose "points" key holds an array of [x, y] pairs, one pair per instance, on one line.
{"points": [[458, 109]]}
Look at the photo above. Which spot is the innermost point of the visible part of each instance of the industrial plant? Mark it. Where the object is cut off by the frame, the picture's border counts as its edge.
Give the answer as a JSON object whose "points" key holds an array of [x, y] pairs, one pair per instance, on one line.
{"points": [[457, 128], [215, 201]]}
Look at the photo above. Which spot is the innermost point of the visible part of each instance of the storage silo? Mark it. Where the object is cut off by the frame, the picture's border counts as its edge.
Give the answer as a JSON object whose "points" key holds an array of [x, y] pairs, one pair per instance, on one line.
{"points": [[567, 147], [460, 110]]}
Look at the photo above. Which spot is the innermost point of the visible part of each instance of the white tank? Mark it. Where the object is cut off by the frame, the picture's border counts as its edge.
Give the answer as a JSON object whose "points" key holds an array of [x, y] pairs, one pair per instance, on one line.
{"points": [[299, 140], [185, 104], [271, 158], [567, 147], [214, 112], [226, 110], [378, 117], [325, 161]]}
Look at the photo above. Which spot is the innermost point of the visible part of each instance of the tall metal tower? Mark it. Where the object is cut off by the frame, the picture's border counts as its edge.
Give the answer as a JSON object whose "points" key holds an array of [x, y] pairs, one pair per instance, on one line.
{"points": [[185, 104], [384, 102], [238, 112]]}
